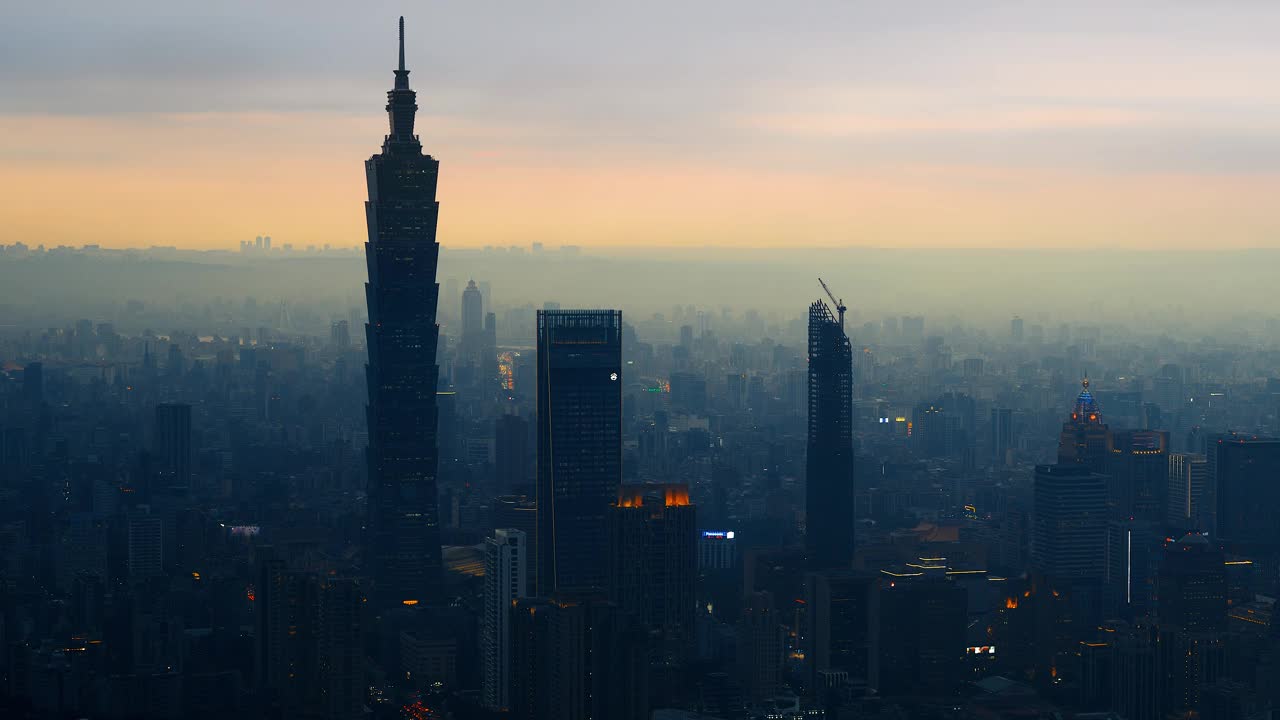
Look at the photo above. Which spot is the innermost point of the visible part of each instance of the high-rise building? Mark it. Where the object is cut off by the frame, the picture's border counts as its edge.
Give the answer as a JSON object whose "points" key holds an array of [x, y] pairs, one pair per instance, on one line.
{"points": [[1188, 482], [1192, 616], [145, 546], [653, 566], [577, 656], [510, 452], [841, 607], [1085, 439], [505, 567], [472, 310], [1069, 522], [173, 446], [1138, 471], [920, 643], [1244, 481], [340, 335], [403, 545], [579, 444], [1015, 329], [829, 463], [1001, 435], [761, 640]]}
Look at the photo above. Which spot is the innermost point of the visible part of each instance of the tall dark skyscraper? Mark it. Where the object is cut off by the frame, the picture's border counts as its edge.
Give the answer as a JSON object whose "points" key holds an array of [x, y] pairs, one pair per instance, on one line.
{"points": [[173, 445], [579, 444], [1244, 480], [829, 465], [403, 551]]}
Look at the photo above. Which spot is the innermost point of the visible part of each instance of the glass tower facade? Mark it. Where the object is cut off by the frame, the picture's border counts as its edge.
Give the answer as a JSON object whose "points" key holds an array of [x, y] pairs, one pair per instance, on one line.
{"points": [[829, 462], [579, 445], [403, 543]]}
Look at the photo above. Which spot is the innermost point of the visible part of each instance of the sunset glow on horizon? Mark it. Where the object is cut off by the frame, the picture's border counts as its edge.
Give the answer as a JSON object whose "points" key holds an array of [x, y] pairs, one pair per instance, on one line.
{"points": [[1009, 129]]}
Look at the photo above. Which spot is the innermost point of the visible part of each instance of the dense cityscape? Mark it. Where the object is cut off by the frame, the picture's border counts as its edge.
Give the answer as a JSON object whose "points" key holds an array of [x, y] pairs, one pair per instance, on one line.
{"points": [[418, 499]]}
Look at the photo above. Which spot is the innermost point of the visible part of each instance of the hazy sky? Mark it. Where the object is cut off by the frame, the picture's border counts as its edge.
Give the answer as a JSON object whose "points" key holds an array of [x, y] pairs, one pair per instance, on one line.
{"points": [[945, 123]]}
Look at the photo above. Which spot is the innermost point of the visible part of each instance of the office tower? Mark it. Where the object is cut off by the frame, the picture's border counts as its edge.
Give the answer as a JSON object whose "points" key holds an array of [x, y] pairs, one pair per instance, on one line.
{"points": [[840, 609], [472, 314], [920, 644], [511, 450], [1138, 470], [1193, 586], [829, 463], [717, 550], [686, 336], [1015, 329], [1245, 472], [504, 583], [403, 543], [579, 469], [1192, 617], [1069, 522], [1085, 439], [266, 242], [653, 567], [1001, 436], [173, 446], [339, 689], [1188, 481], [577, 656], [340, 335], [530, 691], [760, 658], [309, 640], [1133, 555], [257, 242], [145, 546]]}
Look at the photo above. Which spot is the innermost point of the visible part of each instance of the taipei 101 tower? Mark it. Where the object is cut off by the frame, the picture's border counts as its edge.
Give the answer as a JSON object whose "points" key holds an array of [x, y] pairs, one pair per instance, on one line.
{"points": [[402, 552]]}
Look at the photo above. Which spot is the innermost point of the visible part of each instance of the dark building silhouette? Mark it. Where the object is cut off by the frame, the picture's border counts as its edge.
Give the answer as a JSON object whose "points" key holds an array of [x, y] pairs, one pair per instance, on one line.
{"points": [[1069, 523], [1192, 618], [511, 448], [577, 656], [841, 608], [829, 464], [653, 565], [1139, 474], [403, 551], [173, 446], [920, 644], [579, 444], [1085, 439], [1245, 472]]}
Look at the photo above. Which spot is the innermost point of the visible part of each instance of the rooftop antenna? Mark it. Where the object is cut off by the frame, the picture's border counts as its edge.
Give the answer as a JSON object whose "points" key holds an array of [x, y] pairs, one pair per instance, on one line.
{"points": [[401, 43], [840, 308]]}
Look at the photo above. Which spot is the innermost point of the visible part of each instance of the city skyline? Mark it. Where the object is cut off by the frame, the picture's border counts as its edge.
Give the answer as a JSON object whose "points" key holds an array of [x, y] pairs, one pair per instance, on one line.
{"points": [[988, 126]]}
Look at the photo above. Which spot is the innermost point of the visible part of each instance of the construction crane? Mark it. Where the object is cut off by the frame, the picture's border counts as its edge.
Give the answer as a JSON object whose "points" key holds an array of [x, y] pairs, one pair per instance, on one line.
{"points": [[840, 308]]}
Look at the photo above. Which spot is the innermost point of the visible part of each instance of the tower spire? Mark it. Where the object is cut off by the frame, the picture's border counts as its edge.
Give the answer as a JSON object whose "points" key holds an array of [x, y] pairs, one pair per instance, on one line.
{"points": [[402, 43]]}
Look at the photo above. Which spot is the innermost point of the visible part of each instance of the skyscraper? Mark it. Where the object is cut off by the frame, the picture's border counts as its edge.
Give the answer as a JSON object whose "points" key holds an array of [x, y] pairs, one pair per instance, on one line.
{"points": [[1188, 481], [173, 446], [1244, 480], [504, 582], [829, 464], [653, 566], [579, 444], [1069, 522], [403, 545], [1085, 439]]}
